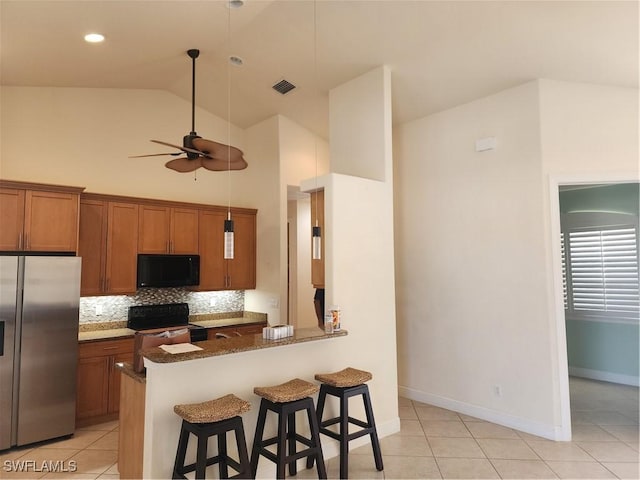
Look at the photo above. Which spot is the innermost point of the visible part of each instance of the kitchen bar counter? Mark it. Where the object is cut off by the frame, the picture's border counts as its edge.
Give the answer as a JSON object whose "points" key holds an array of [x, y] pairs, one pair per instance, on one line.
{"points": [[244, 343], [230, 365]]}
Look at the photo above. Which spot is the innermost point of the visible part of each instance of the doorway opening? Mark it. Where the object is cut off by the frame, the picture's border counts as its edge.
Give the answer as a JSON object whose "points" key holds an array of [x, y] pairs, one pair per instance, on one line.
{"points": [[596, 278]]}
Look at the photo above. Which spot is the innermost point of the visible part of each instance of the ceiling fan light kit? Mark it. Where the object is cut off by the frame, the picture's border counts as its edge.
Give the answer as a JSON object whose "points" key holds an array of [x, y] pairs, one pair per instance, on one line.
{"points": [[199, 151]]}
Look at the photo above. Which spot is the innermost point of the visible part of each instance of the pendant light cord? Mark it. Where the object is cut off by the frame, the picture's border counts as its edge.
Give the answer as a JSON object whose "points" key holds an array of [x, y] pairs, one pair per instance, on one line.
{"points": [[315, 76], [229, 111]]}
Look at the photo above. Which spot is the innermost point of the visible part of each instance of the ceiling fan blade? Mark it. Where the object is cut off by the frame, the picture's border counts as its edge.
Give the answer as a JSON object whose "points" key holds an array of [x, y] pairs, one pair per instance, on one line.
{"points": [[184, 165], [184, 149], [154, 155], [217, 165], [217, 150]]}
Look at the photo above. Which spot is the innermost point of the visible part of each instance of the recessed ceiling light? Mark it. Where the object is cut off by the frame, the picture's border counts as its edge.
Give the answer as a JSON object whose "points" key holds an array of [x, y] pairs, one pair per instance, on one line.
{"points": [[237, 61], [93, 38], [235, 3]]}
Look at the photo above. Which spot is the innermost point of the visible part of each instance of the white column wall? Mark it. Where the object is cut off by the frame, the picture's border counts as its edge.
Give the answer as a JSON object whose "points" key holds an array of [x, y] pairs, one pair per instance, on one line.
{"points": [[359, 271]]}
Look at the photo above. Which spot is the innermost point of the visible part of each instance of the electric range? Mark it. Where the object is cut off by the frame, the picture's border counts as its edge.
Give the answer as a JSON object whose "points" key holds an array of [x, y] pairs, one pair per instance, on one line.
{"points": [[147, 317]]}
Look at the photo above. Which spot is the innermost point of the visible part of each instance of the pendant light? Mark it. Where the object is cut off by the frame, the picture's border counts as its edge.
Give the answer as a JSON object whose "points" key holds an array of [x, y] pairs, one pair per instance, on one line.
{"points": [[316, 234], [228, 223]]}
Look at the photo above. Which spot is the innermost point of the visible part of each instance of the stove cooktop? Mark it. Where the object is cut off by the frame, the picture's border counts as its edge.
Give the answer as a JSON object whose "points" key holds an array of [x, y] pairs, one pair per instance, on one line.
{"points": [[144, 317]]}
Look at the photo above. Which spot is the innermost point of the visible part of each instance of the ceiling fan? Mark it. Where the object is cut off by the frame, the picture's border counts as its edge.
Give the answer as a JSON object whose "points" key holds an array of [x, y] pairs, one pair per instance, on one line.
{"points": [[199, 151]]}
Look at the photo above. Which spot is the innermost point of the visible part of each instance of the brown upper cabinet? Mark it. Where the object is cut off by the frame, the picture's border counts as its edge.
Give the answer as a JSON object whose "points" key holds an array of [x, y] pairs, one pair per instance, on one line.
{"points": [[38, 218], [238, 273], [165, 229], [317, 212], [108, 246]]}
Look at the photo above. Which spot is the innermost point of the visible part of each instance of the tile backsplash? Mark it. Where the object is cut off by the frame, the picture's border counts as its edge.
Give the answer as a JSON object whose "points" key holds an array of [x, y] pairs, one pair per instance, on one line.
{"points": [[116, 308]]}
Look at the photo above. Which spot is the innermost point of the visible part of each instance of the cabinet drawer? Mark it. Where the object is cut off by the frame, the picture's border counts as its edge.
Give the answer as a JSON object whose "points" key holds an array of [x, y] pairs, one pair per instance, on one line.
{"points": [[105, 347], [251, 329]]}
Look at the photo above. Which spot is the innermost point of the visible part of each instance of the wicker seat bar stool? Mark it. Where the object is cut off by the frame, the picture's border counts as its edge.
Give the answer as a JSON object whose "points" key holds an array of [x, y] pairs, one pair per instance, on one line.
{"points": [[345, 384], [285, 400], [207, 419]]}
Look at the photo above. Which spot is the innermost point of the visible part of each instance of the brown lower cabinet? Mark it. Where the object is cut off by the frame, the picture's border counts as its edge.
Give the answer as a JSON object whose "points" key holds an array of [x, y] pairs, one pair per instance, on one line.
{"points": [[236, 330], [98, 384]]}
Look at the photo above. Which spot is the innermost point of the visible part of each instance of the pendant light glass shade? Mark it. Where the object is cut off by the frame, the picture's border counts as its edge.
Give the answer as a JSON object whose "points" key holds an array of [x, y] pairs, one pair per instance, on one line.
{"points": [[228, 238], [316, 243]]}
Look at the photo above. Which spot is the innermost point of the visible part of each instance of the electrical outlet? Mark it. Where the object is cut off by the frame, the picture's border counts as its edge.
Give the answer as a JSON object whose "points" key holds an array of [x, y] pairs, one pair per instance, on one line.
{"points": [[497, 390], [98, 309], [212, 302], [274, 303]]}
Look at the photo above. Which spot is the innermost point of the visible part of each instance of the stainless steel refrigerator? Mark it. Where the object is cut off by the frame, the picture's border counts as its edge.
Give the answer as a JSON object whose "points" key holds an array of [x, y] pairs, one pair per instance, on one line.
{"points": [[39, 308]]}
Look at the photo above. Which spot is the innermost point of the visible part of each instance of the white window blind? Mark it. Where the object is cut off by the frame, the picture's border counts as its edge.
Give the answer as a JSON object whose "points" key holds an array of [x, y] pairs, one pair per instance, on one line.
{"points": [[603, 269], [563, 251]]}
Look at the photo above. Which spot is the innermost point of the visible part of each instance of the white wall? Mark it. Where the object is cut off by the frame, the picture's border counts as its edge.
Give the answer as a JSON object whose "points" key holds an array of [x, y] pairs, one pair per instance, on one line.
{"points": [[475, 259], [302, 156], [262, 143], [470, 262]]}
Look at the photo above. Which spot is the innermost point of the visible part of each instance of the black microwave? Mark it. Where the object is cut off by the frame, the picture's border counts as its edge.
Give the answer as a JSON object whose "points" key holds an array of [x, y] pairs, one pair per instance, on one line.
{"points": [[168, 270]]}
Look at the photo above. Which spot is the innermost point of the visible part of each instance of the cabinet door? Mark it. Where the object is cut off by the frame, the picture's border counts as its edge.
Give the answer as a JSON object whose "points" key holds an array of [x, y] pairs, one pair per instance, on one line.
{"points": [[317, 212], [114, 380], [184, 231], [241, 270], [153, 229], [51, 221], [92, 397], [122, 245], [212, 264], [11, 219], [92, 245]]}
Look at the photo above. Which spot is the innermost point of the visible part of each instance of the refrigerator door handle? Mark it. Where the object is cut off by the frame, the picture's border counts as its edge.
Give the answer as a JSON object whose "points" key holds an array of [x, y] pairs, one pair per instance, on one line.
{"points": [[1, 338]]}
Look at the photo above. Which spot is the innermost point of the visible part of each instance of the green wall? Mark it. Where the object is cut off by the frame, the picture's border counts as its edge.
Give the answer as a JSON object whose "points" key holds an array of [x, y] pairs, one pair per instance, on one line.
{"points": [[603, 346], [618, 198]]}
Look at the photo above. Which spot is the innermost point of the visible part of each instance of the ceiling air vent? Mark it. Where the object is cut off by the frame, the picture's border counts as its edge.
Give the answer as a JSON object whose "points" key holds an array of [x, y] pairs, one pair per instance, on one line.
{"points": [[283, 86]]}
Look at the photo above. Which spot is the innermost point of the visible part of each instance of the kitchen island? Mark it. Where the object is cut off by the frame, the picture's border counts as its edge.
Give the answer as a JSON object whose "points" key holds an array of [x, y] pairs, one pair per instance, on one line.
{"points": [[149, 427]]}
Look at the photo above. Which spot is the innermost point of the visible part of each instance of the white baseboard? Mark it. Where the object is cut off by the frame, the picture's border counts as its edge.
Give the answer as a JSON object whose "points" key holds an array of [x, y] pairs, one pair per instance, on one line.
{"points": [[552, 432], [604, 376]]}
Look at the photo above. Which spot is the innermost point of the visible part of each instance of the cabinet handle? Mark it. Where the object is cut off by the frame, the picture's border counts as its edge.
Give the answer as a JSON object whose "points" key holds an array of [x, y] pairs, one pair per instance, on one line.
{"points": [[26, 241], [110, 348], [20, 241], [167, 247]]}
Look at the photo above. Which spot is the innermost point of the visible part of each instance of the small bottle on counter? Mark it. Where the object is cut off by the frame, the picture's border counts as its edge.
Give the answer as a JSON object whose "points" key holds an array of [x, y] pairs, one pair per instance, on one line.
{"points": [[335, 314], [328, 323]]}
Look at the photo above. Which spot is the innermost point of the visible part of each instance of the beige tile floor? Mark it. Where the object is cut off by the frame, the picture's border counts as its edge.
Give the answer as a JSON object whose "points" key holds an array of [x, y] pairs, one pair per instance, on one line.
{"points": [[432, 443], [91, 453]]}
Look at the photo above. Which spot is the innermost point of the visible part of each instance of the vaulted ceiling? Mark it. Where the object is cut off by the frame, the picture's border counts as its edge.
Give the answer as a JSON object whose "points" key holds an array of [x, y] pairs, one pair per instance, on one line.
{"points": [[441, 53]]}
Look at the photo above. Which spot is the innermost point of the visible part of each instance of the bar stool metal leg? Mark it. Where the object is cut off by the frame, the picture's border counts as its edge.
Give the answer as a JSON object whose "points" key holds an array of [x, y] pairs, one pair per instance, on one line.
{"points": [[287, 438], [375, 443], [257, 439], [222, 453], [343, 436], [181, 452]]}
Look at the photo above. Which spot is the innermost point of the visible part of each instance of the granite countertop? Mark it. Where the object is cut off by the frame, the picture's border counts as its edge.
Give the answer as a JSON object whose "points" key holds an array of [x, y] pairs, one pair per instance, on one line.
{"points": [[112, 330], [244, 343]]}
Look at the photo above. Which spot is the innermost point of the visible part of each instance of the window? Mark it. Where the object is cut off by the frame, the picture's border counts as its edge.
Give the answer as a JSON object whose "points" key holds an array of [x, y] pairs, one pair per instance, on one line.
{"points": [[600, 272]]}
